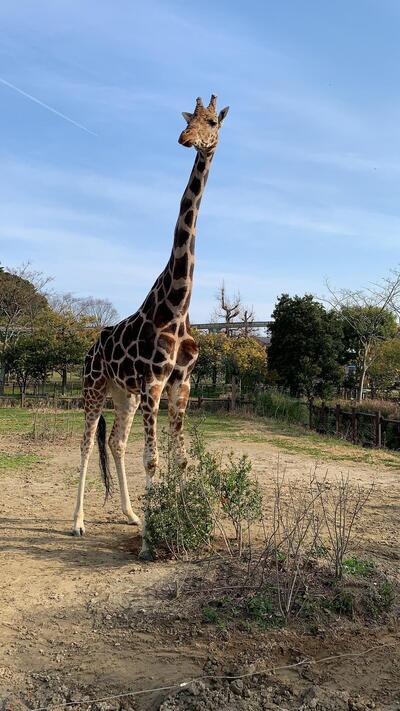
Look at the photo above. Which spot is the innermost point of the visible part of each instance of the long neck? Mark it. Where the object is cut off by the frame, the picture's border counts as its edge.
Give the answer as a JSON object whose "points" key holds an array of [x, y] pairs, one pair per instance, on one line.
{"points": [[178, 274]]}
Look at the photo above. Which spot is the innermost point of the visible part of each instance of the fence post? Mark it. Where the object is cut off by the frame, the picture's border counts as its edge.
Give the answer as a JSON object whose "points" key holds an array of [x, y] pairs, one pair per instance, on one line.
{"points": [[22, 398], [337, 419], [310, 413], [324, 418], [353, 425], [234, 392], [378, 429]]}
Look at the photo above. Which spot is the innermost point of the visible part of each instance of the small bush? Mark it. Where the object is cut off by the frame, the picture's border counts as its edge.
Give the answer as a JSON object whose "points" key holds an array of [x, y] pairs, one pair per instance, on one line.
{"points": [[379, 599], [260, 606], [239, 495], [210, 615], [179, 506], [357, 566], [178, 514], [341, 506], [184, 507], [343, 603]]}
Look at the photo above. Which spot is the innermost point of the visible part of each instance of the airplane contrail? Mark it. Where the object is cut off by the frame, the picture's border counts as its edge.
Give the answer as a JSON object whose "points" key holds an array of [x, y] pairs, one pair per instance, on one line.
{"points": [[46, 106]]}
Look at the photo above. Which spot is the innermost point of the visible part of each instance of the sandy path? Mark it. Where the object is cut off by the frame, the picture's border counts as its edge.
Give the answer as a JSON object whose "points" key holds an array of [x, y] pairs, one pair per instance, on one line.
{"points": [[63, 602]]}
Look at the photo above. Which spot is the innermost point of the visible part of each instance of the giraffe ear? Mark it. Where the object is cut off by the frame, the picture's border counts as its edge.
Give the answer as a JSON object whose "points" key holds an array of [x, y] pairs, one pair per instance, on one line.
{"points": [[187, 116], [222, 115]]}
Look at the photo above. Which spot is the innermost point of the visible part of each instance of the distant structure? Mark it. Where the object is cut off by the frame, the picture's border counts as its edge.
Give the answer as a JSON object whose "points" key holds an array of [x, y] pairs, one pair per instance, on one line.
{"points": [[238, 326]]}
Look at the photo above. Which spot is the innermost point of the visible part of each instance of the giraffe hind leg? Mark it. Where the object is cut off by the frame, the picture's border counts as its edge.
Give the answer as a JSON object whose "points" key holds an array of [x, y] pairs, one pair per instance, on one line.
{"points": [[178, 391], [125, 408], [92, 417]]}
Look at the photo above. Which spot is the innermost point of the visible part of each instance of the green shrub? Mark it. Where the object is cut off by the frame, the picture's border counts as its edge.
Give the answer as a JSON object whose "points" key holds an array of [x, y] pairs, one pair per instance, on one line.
{"points": [[343, 603], [260, 606], [183, 507], [239, 495], [379, 599], [210, 615], [262, 610], [180, 505]]}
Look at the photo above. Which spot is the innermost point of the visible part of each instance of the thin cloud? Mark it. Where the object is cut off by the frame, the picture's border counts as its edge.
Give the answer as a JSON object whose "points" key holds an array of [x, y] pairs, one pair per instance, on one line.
{"points": [[46, 106]]}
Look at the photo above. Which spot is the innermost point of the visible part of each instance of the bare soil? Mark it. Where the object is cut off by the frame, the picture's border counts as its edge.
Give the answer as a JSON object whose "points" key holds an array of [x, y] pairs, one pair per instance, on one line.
{"points": [[84, 618]]}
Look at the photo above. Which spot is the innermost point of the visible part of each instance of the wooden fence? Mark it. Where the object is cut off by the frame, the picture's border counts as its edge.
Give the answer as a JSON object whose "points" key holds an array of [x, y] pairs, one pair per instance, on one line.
{"points": [[208, 404], [370, 429]]}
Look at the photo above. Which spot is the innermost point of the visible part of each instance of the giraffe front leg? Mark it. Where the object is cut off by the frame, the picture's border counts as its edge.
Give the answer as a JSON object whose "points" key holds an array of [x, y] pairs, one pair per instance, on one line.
{"points": [[178, 391], [150, 402]]}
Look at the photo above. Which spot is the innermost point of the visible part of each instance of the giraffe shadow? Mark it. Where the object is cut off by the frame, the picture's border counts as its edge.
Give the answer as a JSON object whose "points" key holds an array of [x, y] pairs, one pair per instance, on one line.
{"points": [[97, 549]]}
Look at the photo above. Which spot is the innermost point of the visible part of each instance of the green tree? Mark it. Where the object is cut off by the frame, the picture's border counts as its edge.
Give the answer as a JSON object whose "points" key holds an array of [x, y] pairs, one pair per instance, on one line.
{"points": [[30, 357], [70, 340], [384, 371], [22, 303], [368, 317], [306, 346], [246, 359], [364, 328], [212, 354]]}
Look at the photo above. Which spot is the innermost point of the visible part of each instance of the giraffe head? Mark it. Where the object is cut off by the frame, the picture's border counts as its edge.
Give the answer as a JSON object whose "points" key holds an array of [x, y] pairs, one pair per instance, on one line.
{"points": [[203, 126]]}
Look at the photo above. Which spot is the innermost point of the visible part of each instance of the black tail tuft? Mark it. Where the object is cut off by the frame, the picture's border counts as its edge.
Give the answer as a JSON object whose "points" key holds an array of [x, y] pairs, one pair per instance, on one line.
{"points": [[103, 456]]}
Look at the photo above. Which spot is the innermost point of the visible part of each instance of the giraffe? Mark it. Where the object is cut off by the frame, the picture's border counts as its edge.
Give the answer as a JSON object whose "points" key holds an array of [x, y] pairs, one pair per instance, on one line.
{"points": [[153, 349]]}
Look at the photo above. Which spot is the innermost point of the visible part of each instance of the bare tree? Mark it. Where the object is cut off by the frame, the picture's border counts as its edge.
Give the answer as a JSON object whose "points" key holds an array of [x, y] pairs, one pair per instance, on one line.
{"points": [[228, 308], [67, 305], [369, 314], [97, 312], [231, 309], [101, 312], [247, 315]]}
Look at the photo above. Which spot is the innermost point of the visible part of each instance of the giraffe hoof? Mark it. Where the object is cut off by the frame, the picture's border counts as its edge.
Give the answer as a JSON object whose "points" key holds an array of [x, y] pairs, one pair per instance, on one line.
{"points": [[134, 522], [78, 532], [146, 555], [132, 519]]}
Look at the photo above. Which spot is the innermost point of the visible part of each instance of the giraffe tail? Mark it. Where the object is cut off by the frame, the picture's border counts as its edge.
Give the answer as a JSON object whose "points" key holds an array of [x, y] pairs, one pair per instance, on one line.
{"points": [[103, 456]]}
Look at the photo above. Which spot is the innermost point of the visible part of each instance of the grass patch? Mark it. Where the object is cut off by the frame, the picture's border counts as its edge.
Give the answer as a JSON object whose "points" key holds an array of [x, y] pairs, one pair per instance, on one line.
{"points": [[320, 447], [342, 603], [286, 436], [15, 462]]}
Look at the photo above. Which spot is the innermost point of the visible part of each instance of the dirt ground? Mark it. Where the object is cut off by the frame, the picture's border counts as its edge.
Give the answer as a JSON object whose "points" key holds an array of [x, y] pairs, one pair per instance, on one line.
{"points": [[84, 618]]}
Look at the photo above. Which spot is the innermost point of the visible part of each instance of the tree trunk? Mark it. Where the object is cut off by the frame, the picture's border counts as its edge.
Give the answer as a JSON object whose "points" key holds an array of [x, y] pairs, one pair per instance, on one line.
{"points": [[2, 378], [64, 380], [362, 379]]}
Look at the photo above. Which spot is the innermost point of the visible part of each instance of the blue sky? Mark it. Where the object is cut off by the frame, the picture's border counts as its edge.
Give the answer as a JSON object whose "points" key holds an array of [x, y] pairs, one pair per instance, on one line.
{"points": [[305, 182]]}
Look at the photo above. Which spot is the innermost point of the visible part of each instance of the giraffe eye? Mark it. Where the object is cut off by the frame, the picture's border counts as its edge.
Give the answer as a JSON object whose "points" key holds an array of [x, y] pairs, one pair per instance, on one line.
{"points": [[212, 122]]}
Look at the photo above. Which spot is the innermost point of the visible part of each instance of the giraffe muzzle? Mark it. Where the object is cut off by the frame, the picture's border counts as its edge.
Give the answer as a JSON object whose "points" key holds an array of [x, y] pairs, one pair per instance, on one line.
{"points": [[185, 140]]}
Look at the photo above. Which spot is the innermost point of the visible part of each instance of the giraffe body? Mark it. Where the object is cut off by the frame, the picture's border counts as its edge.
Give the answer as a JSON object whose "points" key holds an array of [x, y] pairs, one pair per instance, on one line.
{"points": [[153, 349]]}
